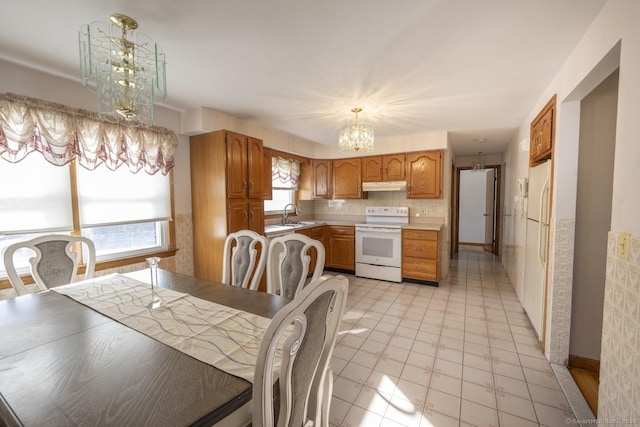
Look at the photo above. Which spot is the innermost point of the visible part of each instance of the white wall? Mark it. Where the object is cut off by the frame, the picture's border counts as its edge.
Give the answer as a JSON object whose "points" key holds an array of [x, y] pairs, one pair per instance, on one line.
{"points": [[617, 22]]}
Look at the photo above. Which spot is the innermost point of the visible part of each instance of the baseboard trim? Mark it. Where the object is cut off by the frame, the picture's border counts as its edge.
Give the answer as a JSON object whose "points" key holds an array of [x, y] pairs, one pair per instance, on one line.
{"points": [[584, 363]]}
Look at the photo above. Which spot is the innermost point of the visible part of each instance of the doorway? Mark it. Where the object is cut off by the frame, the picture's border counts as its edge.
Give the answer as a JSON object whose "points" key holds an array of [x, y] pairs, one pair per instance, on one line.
{"points": [[598, 116], [477, 208]]}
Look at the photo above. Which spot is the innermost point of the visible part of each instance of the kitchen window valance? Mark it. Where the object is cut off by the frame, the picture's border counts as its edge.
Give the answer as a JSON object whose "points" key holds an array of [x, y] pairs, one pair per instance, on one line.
{"points": [[61, 134], [285, 170]]}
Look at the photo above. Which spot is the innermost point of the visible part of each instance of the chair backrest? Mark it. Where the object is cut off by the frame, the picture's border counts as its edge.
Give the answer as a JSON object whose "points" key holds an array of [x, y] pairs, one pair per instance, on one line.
{"points": [[312, 321], [288, 263], [55, 262], [239, 259]]}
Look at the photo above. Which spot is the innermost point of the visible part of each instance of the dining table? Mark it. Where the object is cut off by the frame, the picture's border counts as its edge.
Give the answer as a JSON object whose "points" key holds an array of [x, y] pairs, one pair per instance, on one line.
{"points": [[64, 363]]}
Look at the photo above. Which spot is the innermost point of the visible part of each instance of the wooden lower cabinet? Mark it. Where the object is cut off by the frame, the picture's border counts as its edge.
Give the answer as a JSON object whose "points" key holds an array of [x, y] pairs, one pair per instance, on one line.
{"points": [[420, 250], [341, 251], [245, 214]]}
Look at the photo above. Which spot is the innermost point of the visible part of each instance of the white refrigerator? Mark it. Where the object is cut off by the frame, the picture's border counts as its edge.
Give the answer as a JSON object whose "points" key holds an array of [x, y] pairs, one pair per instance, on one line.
{"points": [[535, 270]]}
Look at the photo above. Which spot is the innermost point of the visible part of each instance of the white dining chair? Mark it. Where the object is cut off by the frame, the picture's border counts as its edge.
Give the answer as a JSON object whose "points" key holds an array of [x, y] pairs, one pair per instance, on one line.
{"points": [[288, 263], [239, 259], [55, 261], [305, 377]]}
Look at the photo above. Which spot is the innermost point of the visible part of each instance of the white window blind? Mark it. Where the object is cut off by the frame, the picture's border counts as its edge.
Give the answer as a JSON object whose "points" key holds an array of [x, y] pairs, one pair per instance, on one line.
{"points": [[34, 196], [120, 197]]}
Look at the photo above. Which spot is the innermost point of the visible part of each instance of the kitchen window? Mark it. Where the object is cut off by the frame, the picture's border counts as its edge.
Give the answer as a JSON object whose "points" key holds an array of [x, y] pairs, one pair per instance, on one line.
{"points": [[284, 185]]}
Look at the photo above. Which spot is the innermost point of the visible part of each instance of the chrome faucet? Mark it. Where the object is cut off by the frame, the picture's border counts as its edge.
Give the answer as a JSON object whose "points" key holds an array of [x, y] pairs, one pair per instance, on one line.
{"points": [[285, 213]]}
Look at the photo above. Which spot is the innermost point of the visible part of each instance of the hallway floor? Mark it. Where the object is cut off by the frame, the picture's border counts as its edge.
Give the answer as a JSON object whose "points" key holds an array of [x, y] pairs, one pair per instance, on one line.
{"points": [[461, 354]]}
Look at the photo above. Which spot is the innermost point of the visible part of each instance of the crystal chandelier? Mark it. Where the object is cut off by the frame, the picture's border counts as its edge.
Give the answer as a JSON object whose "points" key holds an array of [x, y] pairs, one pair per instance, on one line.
{"points": [[478, 164], [356, 137], [126, 67]]}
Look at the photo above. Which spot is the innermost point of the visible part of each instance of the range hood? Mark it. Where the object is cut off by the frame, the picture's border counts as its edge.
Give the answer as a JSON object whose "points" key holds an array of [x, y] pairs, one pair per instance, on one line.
{"points": [[384, 186]]}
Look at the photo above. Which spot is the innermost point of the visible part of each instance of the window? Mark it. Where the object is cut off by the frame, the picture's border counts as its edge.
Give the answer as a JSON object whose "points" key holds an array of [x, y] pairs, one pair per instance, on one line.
{"points": [[282, 195], [284, 184], [69, 184], [125, 214]]}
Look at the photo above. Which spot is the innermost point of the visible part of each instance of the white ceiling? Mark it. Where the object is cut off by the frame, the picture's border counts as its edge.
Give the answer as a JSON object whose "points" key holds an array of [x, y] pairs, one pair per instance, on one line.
{"points": [[474, 68]]}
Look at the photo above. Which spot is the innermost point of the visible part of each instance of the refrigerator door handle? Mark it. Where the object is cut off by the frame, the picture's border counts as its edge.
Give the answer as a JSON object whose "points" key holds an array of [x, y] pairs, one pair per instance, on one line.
{"points": [[542, 247], [544, 223]]}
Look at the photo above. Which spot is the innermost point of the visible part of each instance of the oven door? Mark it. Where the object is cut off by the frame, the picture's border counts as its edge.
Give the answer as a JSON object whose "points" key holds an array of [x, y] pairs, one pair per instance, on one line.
{"points": [[378, 246]]}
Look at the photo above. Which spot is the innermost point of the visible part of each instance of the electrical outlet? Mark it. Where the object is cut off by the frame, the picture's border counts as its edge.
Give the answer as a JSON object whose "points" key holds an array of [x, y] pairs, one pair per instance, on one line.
{"points": [[423, 212], [623, 246]]}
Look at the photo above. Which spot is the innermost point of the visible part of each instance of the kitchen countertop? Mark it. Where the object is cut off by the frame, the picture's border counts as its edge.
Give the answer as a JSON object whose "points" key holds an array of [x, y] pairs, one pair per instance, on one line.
{"points": [[422, 226], [271, 230]]}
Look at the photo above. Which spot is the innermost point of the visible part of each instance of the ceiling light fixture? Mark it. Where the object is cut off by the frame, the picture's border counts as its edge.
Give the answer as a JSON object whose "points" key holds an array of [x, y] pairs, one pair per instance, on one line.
{"points": [[126, 67], [478, 164], [356, 137]]}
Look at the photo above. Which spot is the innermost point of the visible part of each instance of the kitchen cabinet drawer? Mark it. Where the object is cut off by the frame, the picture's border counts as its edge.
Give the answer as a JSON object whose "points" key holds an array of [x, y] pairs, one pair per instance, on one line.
{"points": [[420, 252], [338, 229], [420, 234], [418, 268], [424, 249]]}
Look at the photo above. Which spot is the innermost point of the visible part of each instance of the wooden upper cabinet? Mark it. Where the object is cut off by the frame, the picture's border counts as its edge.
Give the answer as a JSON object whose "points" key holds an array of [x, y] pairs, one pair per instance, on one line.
{"points": [[372, 169], [393, 167], [267, 179], [244, 166], [390, 167], [424, 175], [236, 165], [347, 178], [542, 133], [255, 161], [321, 179]]}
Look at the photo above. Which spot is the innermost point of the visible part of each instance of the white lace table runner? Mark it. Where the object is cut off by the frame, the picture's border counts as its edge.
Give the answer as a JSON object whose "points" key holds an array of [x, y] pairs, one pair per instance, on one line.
{"points": [[221, 336]]}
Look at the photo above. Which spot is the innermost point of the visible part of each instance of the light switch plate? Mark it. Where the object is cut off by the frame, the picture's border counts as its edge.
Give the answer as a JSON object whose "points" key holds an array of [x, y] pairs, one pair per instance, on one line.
{"points": [[623, 246]]}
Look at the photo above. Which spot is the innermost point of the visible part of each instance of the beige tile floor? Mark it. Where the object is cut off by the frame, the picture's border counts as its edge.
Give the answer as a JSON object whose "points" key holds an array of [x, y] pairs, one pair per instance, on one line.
{"points": [[461, 354]]}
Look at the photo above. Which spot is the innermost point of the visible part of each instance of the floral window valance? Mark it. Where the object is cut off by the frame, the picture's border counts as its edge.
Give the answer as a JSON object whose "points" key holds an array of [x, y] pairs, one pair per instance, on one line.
{"points": [[62, 134], [285, 170]]}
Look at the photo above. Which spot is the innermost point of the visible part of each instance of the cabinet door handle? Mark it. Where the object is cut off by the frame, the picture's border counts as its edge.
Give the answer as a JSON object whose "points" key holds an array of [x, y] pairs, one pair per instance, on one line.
{"points": [[250, 185], [246, 215], [250, 214], [244, 184], [418, 249]]}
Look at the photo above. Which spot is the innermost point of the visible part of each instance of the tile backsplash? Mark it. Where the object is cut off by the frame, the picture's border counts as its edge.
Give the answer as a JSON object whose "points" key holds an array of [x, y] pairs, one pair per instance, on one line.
{"points": [[417, 207], [619, 393]]}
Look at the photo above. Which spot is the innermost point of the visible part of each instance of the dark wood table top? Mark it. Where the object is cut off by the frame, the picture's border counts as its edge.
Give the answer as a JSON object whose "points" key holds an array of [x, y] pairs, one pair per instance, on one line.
{"points": [[61, 363]]}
